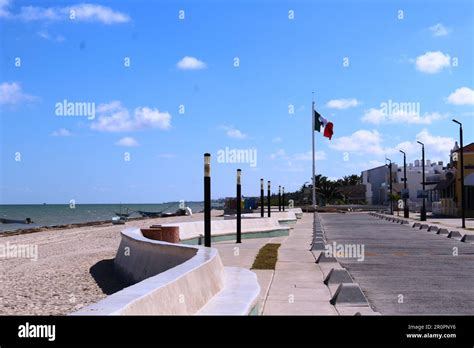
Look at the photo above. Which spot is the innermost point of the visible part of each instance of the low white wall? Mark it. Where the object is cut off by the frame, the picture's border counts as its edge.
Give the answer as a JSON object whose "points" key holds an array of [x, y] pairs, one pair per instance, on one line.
{"points": [[281, 216], [190, 230], [195, 277]]}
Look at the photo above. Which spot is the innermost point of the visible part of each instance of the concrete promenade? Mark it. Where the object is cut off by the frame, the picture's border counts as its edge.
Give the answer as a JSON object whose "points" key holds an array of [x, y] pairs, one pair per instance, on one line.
{"points": [[406, 271], [296, 286]]}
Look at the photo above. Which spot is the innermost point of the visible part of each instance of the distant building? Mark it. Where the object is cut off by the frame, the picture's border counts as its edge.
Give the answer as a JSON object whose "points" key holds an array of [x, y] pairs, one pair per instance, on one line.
{"points": [[377, 183], [434, 173], [377, 187], [448, 191]]}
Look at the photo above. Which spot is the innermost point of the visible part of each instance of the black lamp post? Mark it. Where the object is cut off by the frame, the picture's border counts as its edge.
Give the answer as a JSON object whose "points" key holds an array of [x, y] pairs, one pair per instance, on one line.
{"points": [[283, 198], [463, 217], [268, 199], [391, 192], [423, 207], [279, 197], [207, 199], [262, 197], [406, 211], [239, 207]]}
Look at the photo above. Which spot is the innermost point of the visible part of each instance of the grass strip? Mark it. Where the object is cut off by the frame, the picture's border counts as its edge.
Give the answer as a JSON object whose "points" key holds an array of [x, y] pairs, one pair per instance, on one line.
{"points": [[267, 256]]}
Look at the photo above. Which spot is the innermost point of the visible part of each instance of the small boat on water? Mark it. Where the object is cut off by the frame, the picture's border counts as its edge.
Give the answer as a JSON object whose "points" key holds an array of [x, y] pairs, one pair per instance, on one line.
{"points": [[119, 220], [150, 214], [11, 221], [120, 214]]}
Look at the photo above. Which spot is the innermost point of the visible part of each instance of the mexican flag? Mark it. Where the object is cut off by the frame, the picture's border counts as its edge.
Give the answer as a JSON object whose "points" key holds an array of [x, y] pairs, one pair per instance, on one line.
{"points": [[317, 121], [321, 121]]}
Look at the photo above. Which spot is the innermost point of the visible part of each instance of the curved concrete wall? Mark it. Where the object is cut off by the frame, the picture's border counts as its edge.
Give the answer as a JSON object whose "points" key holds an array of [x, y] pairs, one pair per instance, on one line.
{"points": [[138, 259], [283, 217], [190, 231], [190, 277]]}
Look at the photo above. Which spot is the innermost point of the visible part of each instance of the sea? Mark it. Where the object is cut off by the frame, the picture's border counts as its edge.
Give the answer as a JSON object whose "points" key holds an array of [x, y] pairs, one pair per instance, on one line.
{"points": [[62, 214]]}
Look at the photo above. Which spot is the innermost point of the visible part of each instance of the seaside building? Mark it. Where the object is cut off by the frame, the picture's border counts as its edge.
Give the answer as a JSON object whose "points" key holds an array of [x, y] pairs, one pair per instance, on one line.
{"points": [[377, 183], [434, 173], [448, 191]]}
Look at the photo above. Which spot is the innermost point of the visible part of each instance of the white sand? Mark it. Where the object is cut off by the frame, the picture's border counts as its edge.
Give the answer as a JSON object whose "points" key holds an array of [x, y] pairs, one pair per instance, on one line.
{"points": [[60, 282]]}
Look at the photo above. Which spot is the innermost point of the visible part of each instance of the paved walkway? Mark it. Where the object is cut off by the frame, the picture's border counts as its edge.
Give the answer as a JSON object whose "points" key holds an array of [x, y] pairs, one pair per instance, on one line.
{"points": [[296, 286], [418, 268]]}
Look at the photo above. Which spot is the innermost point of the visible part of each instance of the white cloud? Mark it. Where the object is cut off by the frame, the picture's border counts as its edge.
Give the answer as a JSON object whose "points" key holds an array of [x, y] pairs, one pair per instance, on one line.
{"points": [[190, 63], [233, 132], [4, 4], [378, 116], [297, 162], [361, 141], [432, 62], [113, 117], [461, 96], [438, 145], [439, 30], [308, 156], [44, 34], [375, 116], [127, 142], [302, 156], [277, 140], [437, 148], [342, 103], [365, 142], [167, 155], [12, 94], [80, 13], [97, 13], [62, 132]]}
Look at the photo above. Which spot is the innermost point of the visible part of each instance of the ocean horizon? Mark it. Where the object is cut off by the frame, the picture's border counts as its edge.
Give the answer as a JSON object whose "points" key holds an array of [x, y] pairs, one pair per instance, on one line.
{"points": [[44, 215]]}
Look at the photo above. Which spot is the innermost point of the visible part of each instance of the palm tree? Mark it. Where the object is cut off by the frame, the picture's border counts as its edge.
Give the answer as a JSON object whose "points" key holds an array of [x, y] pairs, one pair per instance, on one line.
{"points": [[329, 190]]}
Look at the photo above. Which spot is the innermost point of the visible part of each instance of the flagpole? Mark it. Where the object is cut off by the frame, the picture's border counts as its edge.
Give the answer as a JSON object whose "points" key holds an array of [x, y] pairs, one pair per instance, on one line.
{"points": [[314, 168]]}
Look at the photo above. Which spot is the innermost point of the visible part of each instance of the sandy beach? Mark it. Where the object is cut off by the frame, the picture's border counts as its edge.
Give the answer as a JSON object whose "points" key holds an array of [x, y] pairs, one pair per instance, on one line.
{"points": [[73, 269]]}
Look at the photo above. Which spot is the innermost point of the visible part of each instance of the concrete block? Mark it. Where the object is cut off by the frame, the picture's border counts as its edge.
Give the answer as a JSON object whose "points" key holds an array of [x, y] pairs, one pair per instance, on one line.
{"points": [[318, 246], [416, 225], [433, 229], [424, 227], [349, 294], [338, 276], [443, 231], [455, 235], [468, 238], [322, 258]]}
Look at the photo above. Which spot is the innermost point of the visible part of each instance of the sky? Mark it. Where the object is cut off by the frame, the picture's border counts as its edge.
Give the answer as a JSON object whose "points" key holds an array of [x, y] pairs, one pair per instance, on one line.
{"points": [[150, 86]]}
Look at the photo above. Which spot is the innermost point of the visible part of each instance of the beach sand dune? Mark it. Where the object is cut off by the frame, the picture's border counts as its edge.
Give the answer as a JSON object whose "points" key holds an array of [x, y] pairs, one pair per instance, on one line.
{"points": [[74, 268]]}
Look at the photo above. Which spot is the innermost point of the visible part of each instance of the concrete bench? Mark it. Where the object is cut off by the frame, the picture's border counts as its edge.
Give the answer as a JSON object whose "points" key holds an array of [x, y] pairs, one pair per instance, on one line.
{"points": [[175, 279]]}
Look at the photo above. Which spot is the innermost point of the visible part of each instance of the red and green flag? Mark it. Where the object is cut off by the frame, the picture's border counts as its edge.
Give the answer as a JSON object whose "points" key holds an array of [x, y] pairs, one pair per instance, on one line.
{"points": [[321, 121]]}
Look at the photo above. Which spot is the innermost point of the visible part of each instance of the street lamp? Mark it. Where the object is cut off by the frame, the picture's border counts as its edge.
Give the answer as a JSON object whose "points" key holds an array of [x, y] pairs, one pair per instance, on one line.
{"points": [[423, 207], [406, 211], [391, 192], [463, 217]]}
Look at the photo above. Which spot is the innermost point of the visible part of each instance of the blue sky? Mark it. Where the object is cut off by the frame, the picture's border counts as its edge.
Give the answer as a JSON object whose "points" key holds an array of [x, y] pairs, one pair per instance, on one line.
{"points": [[403, 51]]}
